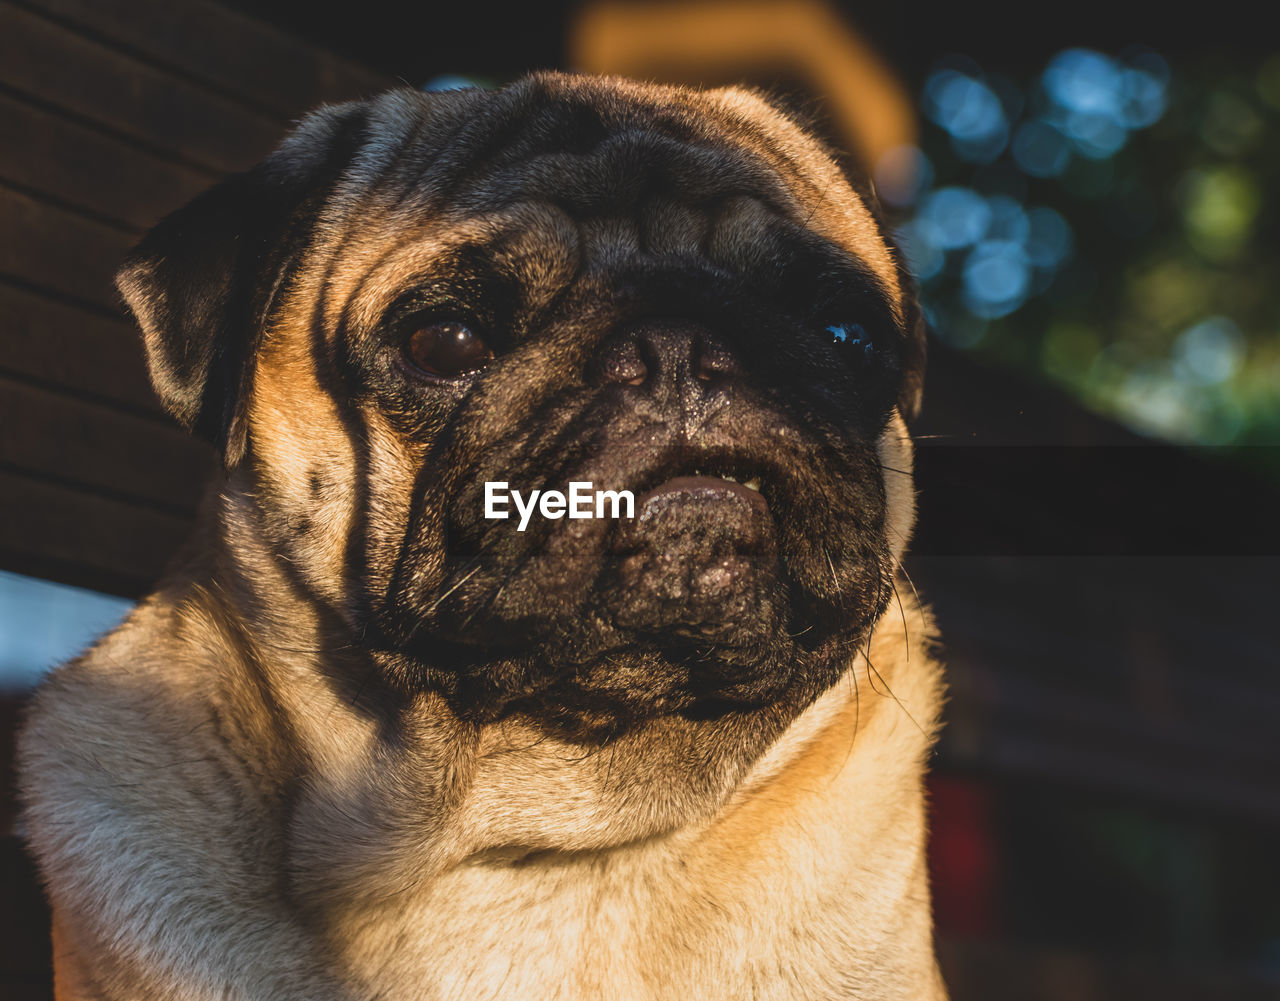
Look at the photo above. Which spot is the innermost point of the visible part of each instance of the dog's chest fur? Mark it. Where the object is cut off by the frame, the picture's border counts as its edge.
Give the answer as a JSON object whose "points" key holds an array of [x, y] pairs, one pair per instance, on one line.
{"points": [[809, 882], [807, 885], [635, 926]]}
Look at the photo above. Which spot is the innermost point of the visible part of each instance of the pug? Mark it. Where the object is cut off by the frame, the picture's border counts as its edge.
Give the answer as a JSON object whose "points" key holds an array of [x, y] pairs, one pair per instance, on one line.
{"points": [[369, 739]]}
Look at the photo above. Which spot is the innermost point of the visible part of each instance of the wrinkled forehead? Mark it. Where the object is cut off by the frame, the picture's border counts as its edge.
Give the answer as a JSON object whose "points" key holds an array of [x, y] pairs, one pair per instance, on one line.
{"points": [[650, 167]]}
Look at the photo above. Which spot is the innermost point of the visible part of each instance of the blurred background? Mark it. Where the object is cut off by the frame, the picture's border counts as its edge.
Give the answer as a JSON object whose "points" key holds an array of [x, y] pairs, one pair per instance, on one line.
{"points": [[1088, 195]]}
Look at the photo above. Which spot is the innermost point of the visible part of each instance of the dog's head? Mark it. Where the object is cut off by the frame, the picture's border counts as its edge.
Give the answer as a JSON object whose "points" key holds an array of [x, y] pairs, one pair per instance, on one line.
{"points": [[571, 280]]}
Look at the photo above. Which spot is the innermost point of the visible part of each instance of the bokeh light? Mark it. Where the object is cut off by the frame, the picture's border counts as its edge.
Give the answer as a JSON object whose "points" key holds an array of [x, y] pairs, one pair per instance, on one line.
{"points": [[451, 81], [1049, 240], [997, 277], [1219, 206], [1209, 352], [1040, 149], [953, 218], [969, 110], [1108, 222], [902, 174]]}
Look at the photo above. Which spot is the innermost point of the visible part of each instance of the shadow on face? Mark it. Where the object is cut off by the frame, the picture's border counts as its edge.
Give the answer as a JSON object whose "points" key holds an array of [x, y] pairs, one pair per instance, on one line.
{"points": [[657, 293]]}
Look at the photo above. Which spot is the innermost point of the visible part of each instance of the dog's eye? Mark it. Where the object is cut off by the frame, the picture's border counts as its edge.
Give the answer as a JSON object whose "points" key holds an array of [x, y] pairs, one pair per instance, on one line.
{"points": [[447, 348], [851, 341]]}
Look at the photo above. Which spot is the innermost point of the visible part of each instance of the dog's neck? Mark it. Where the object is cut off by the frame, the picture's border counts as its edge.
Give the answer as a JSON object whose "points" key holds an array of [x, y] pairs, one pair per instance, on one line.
{"points": [[386, 805]]}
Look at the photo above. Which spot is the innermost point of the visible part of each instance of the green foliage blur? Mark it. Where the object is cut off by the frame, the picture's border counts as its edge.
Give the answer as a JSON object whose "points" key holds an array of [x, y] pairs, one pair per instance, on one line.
{"points": [[1165, 312]]}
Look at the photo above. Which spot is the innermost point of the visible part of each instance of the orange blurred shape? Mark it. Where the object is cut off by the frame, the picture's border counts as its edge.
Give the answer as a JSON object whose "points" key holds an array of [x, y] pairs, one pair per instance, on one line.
{"points": [[724, 40]]}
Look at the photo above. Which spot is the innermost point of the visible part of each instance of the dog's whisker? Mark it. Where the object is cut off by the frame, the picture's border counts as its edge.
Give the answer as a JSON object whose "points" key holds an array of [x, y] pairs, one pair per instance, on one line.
{"points": [[852, 674], [471, 573], [902, 612], [872, 668], [915, 594], [835, 580]]}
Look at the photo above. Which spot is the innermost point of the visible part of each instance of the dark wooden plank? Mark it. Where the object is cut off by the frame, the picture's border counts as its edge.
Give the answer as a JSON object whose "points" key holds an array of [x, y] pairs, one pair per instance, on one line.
{"points": [[60, 250], [25, 954], [58, 344], [65, 534], [46, 60], [225, 49], [85, 444], [1147, 676], [1004, 971], [75, 164]]}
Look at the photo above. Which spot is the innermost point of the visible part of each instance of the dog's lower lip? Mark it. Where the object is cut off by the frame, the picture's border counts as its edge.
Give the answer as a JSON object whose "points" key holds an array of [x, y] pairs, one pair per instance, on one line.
{"points": [[748, 491]]}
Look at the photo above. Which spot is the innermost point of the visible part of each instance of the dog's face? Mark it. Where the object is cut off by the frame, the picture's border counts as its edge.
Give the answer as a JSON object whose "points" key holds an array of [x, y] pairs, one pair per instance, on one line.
{"points": [[571, 280]]}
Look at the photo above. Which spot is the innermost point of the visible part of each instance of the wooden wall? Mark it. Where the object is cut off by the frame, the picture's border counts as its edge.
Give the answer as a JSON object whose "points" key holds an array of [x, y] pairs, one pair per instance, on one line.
{"points": [[113, 113]]}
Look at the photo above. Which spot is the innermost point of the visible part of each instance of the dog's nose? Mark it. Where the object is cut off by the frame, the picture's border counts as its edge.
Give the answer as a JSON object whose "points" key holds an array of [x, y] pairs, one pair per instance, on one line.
{"points": [[665, 354]]}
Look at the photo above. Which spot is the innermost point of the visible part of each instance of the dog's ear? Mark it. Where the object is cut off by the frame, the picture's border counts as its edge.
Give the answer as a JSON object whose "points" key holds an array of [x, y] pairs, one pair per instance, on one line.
{"points": [[203, 282]]}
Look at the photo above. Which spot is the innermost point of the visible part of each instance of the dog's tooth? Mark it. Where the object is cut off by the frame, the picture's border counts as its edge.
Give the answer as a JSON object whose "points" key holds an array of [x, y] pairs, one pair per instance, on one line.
{"points": [[752, 484], [731, 479]]}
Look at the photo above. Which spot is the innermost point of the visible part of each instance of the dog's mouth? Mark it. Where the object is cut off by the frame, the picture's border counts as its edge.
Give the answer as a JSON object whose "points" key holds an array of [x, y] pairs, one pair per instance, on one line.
{"points": [[726, 476], [715, 487], [696, 556], [703, 591], [701, 506]]}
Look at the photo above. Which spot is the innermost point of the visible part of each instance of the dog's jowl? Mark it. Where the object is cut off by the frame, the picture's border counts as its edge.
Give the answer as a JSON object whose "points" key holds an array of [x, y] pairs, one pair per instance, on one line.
{"points": [[369, 740]]}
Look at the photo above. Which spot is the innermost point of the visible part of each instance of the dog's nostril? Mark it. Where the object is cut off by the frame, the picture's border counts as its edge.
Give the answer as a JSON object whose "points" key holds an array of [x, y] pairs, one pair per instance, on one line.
{"points": [[664, 351], [624, 366], [714, 361]]}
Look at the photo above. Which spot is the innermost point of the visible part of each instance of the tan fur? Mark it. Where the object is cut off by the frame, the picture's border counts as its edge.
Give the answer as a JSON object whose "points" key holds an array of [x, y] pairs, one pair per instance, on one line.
{"points": [[217, 817], [808, 881]]}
